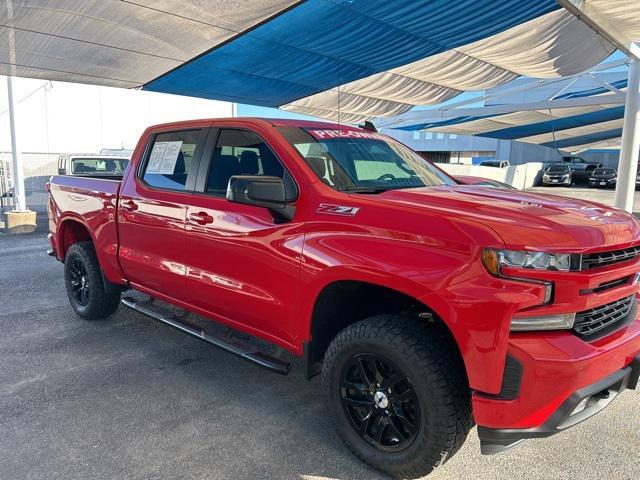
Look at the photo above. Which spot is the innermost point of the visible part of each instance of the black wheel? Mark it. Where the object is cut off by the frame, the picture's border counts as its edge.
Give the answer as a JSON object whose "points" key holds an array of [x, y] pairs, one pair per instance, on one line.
{"points": [[397, 394], [85, 286]]}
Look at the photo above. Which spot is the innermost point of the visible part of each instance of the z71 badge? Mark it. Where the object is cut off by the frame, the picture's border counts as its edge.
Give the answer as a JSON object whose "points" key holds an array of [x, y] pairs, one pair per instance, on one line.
{"points": [[337, 209]]}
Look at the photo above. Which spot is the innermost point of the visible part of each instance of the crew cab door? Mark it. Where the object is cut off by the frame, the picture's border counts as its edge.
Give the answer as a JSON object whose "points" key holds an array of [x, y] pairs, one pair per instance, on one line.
{"points": [[152, 211], [242, 266]]}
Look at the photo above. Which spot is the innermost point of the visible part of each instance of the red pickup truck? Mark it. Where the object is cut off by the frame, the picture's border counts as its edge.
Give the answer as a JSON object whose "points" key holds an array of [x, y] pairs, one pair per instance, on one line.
{"points": [[427, 306]]}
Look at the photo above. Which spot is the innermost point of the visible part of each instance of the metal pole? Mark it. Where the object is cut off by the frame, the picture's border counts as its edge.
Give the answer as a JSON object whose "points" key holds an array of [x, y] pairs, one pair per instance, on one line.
{"points": [[18, 174], [628, 166]]}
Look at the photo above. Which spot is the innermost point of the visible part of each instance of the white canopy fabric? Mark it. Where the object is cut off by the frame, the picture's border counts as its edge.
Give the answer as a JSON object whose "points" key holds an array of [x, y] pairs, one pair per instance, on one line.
{"points": [[569, 128], [117, 43], [556, 44], [621, 18]]}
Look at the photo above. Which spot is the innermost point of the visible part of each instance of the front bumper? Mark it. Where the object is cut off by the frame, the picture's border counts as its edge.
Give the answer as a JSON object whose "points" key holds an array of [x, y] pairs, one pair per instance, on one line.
{"points": [[581, 405], [556, 181]]}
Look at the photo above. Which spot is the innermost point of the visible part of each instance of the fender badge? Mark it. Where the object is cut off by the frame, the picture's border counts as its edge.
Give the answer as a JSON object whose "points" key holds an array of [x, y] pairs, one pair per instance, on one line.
{"points": [[337, 209]]}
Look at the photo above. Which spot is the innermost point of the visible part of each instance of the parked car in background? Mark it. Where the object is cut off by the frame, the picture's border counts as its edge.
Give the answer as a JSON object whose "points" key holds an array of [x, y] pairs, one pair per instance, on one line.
{"points": [[557, 174], [604, 177], [425, 305], [482, 182], [92, 165], [581, 170], [494, 163]]}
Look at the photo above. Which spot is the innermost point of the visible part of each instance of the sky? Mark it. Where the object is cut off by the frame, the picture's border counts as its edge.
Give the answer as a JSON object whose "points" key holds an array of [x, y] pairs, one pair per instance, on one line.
{"points": [[74, 118]]}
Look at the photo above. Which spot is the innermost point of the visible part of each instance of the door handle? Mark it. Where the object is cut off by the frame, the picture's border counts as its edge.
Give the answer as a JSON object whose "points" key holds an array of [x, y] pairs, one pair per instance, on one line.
{"points": [[201, 218], [129, 205]]}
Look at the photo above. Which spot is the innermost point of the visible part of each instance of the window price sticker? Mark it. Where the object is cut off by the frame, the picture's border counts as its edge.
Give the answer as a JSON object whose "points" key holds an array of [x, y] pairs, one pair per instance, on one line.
{"points": [[164, 156]]}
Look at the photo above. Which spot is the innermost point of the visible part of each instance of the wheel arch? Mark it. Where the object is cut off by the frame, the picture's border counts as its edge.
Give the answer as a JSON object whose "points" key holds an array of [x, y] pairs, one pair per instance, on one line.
{"points": [[70, 231], [73, 230], [342, 302]]}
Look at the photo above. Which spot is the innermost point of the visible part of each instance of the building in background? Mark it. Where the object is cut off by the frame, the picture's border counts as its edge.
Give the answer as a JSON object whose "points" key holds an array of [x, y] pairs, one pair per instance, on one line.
{"points": [[452, 148]]}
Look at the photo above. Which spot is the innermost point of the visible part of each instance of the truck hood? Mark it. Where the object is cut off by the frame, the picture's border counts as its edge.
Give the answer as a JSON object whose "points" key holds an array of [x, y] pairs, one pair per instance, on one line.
{"points": [[526, 220]]}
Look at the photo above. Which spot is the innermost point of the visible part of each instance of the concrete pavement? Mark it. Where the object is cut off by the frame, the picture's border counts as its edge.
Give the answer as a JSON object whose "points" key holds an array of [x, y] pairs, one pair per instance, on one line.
{"points": [[127, 398]]}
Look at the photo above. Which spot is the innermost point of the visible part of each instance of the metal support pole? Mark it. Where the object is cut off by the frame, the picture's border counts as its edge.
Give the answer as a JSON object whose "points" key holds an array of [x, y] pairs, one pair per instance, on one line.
{"points": [[628, 166], [17, 173]]}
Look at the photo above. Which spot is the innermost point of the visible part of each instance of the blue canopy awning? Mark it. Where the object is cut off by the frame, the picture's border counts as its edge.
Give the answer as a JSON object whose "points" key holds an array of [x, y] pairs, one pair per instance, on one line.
{"points": [[321, 44]]}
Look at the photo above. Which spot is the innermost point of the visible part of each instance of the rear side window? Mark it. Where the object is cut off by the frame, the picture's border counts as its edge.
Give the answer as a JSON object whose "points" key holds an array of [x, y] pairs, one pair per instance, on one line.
{"points": [[239, 152], [169, 161]]}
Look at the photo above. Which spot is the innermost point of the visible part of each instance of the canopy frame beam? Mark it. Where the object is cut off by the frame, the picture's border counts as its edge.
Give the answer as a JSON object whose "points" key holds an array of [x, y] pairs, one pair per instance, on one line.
{"points": [[602, 27], [630, 143]]}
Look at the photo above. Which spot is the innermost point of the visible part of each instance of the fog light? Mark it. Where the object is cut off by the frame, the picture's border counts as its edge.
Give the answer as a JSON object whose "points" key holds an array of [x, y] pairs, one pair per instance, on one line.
{"points": [[562, 321]]}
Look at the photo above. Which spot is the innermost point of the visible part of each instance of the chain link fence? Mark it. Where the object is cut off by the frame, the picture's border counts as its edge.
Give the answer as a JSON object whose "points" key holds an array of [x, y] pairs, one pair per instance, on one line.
{"points": [[38, 168]]}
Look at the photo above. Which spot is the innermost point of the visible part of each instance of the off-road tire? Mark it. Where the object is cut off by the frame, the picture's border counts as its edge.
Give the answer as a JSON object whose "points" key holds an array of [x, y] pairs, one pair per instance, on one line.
{"points": [[427, 356], [101, 302]]}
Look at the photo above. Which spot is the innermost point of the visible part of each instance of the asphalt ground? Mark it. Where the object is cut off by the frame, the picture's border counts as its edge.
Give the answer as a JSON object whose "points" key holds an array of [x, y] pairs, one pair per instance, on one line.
{"points": [[127, 398]]}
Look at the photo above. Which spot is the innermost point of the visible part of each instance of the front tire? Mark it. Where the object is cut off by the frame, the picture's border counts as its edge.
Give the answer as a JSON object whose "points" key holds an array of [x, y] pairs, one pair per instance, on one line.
{"points": [[397, 394], [85, 285]]}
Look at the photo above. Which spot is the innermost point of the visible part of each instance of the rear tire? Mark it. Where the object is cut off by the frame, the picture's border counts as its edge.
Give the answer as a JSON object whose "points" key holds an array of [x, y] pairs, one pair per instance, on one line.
{"points": [[418, 434], [85, 285]]}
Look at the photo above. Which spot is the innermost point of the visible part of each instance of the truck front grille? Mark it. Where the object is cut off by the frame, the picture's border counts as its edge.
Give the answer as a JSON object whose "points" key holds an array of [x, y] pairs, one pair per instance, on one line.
{"points": [[600, 321], [601, 259]]}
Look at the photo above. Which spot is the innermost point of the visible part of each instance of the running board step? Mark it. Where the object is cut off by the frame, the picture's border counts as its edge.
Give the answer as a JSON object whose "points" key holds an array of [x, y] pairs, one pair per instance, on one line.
{"points": [[248, 352]]}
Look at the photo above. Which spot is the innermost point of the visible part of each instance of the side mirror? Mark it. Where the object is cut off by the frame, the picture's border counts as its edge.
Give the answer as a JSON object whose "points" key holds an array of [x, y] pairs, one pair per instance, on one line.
{"points": [[257, 190]]}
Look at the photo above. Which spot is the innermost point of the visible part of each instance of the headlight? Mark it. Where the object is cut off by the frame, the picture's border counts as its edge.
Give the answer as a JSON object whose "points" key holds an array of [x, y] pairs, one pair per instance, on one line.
{"points": [[561, 321], [494, 260], [564, 177]]}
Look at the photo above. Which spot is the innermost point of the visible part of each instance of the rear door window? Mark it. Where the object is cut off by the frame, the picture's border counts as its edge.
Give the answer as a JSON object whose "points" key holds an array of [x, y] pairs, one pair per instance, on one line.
{"points": [[171, 157]]}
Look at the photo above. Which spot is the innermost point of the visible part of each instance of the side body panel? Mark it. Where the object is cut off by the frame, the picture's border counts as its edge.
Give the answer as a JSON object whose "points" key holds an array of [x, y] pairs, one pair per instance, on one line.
{"points": [[151, 224]]}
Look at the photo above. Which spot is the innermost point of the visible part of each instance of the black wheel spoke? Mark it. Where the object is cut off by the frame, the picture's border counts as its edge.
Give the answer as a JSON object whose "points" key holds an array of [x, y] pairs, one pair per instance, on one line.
{"points": [[406, 423], [78, 282], [366, 421], [381, 425], [398, 432], [366, 376], [358, 403], [405, 396], [380, 402], [359, 386], [392, 381]]}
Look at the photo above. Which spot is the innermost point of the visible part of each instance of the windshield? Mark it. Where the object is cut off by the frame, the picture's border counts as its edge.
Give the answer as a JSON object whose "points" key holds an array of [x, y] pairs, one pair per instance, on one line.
{"points": [[355, 160], [604, 171], [489, 164], [109, 166], [558, 168]]}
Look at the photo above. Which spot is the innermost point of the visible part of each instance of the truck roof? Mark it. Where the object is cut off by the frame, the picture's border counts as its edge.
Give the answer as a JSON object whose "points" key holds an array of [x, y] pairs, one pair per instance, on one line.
{"points": [[275, 122]]}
